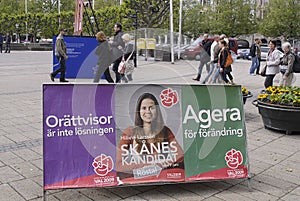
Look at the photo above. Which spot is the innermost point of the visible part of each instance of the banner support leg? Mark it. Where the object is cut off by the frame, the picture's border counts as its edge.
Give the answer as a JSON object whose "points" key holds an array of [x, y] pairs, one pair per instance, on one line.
{"points": [[44, 195], [248, 184]]}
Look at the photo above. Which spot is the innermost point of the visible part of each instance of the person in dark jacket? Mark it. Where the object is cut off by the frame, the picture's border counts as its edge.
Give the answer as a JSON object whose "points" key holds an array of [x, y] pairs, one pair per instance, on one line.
{"points": [[1, 42], [117, 49], [225, 71], [7, 42], [204, 57], [103, 51], [286, 65], [255, 56]]}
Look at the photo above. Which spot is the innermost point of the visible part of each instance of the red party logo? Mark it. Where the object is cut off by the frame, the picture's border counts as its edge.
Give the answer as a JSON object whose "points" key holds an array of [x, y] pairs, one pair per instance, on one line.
{"points": [[234, 158], [103, 164], [168, 97]]}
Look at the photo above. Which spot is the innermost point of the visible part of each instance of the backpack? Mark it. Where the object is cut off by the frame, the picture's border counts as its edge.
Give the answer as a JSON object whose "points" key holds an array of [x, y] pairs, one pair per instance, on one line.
{"points": [[296, 65], [229, 60]]}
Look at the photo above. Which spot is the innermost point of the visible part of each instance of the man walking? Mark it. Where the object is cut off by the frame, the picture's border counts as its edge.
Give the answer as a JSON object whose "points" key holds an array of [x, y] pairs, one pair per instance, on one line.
{"points": [[1, 42], [61, 55], [214, 52], [7, 42], [254, 56], [204, 57], [117, 49]]}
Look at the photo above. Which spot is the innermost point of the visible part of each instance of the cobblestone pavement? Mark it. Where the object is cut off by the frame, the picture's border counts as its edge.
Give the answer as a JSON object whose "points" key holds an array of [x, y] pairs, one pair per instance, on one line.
{"points": [[274, 157]]}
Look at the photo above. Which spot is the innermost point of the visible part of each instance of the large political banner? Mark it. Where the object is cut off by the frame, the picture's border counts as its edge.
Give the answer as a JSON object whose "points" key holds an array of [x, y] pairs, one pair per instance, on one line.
{"points": [[109, 135], [82, 58]]}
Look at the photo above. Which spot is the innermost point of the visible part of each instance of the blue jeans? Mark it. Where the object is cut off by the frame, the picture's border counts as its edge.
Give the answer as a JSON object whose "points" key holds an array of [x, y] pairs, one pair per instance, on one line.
{"points": [[254, 64], [216, 74], [210, 72]]}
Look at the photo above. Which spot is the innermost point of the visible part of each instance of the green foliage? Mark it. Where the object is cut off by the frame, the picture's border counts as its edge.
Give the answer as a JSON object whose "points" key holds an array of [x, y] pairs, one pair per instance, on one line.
{"points": [[151, 13], [232, 17], [99, 4], [196, 20], [107, 18], [282, 19]]}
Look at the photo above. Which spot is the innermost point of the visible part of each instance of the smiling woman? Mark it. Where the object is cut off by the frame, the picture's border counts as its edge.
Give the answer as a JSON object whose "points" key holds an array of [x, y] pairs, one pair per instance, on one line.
{"points": [[149, 143]]}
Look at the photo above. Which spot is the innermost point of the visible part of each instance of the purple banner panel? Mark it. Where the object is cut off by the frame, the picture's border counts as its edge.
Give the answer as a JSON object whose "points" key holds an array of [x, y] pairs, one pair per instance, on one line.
{"points": [[79, 136]]}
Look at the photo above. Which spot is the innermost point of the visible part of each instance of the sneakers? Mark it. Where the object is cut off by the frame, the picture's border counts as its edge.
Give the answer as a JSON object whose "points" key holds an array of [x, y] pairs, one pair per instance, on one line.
{"points": [[51, 77], [253, 74]]}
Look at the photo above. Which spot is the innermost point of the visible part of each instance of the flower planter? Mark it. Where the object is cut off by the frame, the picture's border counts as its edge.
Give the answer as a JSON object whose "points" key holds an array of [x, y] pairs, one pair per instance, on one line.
{"points": [[278, 117], [246, 96]]}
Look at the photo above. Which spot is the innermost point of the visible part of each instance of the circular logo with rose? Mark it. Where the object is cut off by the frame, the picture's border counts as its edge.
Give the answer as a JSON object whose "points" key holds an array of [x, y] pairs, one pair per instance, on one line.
{"points": [[234, 158], [103, 164]]}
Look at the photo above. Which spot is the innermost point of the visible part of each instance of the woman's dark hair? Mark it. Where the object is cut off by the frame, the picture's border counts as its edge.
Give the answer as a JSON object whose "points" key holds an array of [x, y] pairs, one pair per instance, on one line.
{"points": [[157, 123], [273, 42], [118, 25]]}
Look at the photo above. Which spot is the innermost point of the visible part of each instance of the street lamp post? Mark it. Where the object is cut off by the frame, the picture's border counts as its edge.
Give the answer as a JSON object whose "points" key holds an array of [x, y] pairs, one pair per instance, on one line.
{"points": [[171, 32], [58, 10], [26, 25], [17, 28], [180, 27]]}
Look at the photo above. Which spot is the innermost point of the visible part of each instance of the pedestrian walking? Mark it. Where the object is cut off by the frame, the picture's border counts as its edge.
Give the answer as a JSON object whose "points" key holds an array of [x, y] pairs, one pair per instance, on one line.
{"points": [[117, 49], [104, 53], [204, 57], [273, 61], [1, 42], [128, 57], [254, 51], [214, 52], [286, 65], [7, 43], [258, 50], [61, 55], [225, 70]]}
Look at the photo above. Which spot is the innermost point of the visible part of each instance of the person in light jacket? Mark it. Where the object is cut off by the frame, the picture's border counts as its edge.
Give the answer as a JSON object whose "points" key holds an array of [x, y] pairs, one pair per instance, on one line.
{"points": [[128, 51], [273, 61]]}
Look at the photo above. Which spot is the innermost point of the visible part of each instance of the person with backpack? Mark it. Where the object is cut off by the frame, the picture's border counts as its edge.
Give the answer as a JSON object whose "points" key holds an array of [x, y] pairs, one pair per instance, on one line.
{"points": [[225, 68], [286, 65]]}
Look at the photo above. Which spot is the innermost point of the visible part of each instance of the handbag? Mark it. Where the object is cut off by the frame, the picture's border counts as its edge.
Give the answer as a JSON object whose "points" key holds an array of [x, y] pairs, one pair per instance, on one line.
{"points": [[129, 67], [122, 66], [263, 71]]}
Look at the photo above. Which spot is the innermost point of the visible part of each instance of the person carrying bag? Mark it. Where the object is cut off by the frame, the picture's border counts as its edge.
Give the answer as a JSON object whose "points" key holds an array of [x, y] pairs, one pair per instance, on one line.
{"points": [[126, 66]]}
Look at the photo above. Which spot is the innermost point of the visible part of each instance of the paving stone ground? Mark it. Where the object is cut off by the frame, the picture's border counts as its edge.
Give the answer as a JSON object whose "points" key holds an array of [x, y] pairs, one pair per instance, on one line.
{"points": [[273, 156]]}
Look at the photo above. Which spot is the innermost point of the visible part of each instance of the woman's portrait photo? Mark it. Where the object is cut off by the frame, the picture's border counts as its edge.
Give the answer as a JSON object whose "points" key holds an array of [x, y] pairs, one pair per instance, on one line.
{"points": [[148, 149]]}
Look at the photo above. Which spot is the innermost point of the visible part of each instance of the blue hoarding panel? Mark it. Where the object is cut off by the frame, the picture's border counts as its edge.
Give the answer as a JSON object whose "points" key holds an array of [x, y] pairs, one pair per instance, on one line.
{"points": [[82, 58]]}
